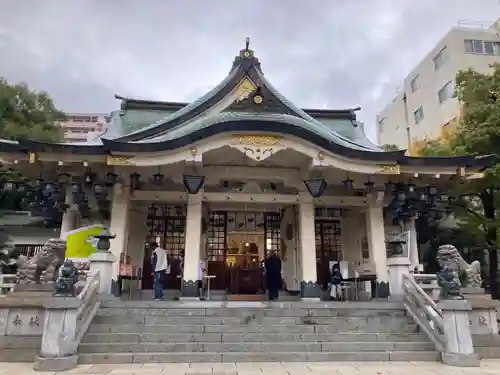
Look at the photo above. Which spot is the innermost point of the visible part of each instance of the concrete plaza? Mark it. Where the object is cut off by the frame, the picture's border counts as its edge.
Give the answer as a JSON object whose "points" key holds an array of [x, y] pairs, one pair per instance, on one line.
{"points": [[488, 367]]}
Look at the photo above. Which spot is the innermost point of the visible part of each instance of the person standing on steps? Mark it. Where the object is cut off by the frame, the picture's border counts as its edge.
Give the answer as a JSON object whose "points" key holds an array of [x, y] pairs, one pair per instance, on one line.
{"points": [[159, 263], [273, 275]]}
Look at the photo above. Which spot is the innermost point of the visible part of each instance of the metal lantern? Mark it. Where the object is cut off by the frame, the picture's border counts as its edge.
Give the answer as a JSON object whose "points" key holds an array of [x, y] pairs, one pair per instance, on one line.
{"points": [[193, 183], [103, 243], [348, 184], [100, 191], [316, 187], [135, 180], [63, 178], [158, 179], [111, 179], [369, 186]]}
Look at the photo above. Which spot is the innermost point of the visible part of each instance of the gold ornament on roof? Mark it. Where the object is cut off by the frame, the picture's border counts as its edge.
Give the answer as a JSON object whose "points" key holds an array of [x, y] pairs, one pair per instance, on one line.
{"points": [[258, 140], [257, 99], [390, 169], [118, 160]]}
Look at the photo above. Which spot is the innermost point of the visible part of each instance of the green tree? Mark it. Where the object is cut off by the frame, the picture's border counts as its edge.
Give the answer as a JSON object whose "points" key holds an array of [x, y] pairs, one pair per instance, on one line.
{"points": [[389, 147], [478, 132], [27, 114]]}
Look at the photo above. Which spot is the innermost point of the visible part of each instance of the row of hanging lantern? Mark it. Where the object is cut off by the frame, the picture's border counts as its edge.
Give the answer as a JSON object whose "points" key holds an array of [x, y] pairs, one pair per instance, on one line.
{"points": [[408, 200], [48, 198]]}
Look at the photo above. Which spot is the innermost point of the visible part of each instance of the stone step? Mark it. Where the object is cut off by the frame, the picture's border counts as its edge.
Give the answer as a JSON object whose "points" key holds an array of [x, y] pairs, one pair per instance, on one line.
{"points": [[180, 357], [254, 347], [347, 327], [239, 312], [247, 337], [353, 323]]}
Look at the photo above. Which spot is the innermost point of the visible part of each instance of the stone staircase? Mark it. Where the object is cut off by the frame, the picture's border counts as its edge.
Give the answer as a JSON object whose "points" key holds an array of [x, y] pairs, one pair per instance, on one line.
{"points": [[141, 332]]}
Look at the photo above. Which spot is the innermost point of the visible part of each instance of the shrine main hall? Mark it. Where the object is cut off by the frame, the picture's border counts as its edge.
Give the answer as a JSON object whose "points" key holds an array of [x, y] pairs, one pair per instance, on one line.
{"points": [[238, 172]]}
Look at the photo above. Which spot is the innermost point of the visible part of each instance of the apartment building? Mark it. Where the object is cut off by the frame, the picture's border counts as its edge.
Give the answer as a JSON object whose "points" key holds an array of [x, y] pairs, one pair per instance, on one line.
{"points": [[79, 126], [424, 108]]}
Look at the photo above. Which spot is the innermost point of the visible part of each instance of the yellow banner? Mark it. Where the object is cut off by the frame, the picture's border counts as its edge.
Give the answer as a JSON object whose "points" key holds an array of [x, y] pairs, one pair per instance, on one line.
{"points": [[81, 243]]}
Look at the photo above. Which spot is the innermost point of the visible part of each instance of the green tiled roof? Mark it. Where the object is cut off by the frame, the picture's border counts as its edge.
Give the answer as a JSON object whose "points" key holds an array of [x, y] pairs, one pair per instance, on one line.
{"points": [[205, 122]]}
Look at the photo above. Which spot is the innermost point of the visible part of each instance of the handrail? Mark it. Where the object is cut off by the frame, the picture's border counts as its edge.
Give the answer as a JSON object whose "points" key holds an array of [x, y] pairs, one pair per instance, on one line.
{"points": [[424, 311], [89, 297]]}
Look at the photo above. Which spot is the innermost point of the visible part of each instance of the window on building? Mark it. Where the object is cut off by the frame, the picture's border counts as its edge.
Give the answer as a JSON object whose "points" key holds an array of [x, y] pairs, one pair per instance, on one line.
{"points": [[482, 47], [414, 84], [418, 115], [446, 92], [440, 58]]}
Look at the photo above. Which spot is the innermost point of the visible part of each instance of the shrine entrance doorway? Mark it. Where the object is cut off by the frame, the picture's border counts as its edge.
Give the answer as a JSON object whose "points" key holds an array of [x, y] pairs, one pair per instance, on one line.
{"points": [[167, 227]]}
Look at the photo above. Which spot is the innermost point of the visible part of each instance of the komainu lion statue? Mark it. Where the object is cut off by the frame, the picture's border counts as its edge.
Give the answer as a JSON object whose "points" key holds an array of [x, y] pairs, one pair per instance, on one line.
{"points": [[43, 268], [448, 256]]}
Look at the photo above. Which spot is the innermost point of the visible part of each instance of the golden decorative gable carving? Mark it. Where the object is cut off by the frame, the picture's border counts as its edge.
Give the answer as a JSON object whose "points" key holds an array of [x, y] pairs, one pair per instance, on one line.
{"points": [[118, 160]]}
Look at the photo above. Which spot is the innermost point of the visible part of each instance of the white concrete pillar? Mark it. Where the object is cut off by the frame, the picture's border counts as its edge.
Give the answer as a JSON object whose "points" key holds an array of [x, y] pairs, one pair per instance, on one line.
{"points": [[192, 246], [413, 245], [102, 262], [138, 233], [309, 287], [458, 346], [352, 234], [119, 225], [377, 248], [69, 219], [398, 267]]}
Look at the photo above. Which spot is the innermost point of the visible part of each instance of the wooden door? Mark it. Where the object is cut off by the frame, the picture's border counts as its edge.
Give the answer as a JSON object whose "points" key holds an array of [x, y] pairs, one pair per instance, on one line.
{"points": [[167, 226], [217, 250], [328, 248]]}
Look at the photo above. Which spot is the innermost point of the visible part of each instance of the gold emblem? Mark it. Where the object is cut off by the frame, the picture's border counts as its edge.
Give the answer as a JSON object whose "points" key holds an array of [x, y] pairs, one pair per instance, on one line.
{"points": [[118, 160], [258, 140], [390, 169], [246, 54], [257, 99], [321, 156], [194, 151]]}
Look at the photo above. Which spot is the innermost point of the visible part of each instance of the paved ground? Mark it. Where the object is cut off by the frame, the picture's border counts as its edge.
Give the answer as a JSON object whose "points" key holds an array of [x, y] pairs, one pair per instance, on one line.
{"points": [[488, 367]]}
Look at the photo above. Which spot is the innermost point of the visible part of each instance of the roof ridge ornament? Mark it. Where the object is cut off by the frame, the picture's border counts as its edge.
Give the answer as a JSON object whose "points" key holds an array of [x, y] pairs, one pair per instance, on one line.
{"points": [[247, 43]]}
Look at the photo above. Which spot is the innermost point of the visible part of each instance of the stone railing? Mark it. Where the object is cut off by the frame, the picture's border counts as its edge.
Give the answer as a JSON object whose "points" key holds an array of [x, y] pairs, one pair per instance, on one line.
{"points": [[424, 311], [66, 322], [89, 297], [428, 283]]}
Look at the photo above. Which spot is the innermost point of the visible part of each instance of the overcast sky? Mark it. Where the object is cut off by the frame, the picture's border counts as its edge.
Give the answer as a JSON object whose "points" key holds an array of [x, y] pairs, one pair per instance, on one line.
{"points": [[318, 53]]}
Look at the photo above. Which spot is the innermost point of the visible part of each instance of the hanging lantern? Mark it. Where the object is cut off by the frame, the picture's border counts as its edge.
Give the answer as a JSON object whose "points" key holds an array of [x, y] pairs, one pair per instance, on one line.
{"points": [[39, 183], [316, 187], [63, 178], [111, 179], [100, 192], [193, 183], [158, 179], [348, 184], [400, 196], [135, 180], [369, 186], [89, 177]]}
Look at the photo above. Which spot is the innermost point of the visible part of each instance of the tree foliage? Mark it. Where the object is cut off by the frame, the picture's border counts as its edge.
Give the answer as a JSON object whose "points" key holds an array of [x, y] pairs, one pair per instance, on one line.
{"points": [[27, 114], [478, 132]]}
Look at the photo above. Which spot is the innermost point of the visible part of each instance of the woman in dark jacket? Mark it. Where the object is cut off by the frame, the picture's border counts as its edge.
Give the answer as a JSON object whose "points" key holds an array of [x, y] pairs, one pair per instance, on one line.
{"points": [[273, 275]]}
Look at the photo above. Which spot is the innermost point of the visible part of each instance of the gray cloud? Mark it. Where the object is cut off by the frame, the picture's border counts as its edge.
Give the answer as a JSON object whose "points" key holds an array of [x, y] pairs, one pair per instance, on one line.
{"points": [[319, 53]]}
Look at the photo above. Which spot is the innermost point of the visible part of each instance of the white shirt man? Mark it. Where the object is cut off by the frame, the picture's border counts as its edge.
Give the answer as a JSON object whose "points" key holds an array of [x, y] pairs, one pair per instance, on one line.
{"points": [[160, 259], [160, 266]]}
